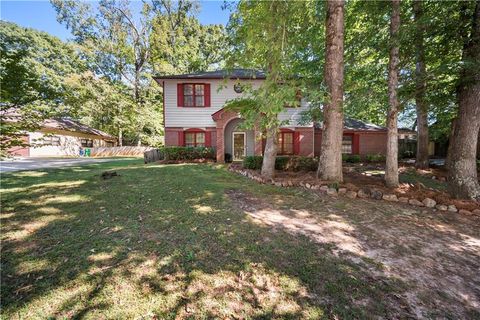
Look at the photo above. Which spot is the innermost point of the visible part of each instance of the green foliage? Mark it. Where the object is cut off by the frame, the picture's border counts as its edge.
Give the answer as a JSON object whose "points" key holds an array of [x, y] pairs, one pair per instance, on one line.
{"points": [[375, 158], [187, 153], [351, 158], [253, 162], [33, 66]]}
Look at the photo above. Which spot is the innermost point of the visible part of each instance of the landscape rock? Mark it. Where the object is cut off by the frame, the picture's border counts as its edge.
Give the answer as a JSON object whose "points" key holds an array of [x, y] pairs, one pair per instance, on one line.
{"points": [[376, 194], [342, 190], [452, 208], [323, 188], [390, 197], [429, 203], [290, 183], [332, 191], [351, 194], [403, 199], [363, 193], [476, 211], [443, 179], [278, 183], [415, 202], [308, 185], [441, 207], [463, 211]]}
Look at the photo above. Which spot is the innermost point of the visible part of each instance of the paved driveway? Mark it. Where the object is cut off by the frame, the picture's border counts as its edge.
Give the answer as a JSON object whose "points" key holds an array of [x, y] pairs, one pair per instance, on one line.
{"points": [[45, 163]]}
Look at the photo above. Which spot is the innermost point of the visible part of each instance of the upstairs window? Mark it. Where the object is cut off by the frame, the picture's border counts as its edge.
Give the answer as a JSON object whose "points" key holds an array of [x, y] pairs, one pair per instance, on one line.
{"points": [[195, 139], [194, 95], [285, 143]]}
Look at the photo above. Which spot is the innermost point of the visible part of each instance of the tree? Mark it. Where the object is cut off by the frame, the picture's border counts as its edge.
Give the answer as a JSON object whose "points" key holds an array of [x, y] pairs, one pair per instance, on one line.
{"points": [[261, 34], [463, 180], [330, 163], [391, 167], [420, 87], [34, 65]]}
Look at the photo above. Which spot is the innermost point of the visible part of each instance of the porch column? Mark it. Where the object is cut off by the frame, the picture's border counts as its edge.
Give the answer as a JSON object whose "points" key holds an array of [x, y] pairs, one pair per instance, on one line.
{"points": [[220, 145]]}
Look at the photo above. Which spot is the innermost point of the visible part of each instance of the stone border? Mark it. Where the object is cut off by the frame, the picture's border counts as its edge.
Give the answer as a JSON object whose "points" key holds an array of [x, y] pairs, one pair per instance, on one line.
{"points": [[362, 193]]}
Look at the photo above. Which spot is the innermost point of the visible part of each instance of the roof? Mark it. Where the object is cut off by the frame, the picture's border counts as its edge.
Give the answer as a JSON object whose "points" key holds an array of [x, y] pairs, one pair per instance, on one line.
{"points": [[69, 124], [218, 74], [64, 123], [356, 125]]}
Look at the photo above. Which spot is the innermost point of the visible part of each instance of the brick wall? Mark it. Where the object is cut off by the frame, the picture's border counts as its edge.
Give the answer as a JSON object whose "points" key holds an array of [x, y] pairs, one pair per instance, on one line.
{"points": [[306, 141], [373, 143]]}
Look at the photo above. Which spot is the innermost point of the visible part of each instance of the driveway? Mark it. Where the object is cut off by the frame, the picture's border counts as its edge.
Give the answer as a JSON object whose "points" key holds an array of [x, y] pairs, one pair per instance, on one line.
{"points": [[45, 163]]}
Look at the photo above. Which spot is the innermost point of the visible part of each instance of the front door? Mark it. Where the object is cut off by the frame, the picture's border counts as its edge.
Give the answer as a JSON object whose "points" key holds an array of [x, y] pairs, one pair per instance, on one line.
{"points": [[238, 145]]}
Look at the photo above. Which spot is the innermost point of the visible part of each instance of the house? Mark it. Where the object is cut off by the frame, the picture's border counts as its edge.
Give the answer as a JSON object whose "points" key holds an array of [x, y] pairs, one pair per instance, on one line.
{"points": [[61, 137], [194, 115]]}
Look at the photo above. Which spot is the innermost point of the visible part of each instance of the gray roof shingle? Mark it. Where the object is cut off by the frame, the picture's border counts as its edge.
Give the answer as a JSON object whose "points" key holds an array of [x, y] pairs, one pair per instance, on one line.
{"points": [[218, 74]]}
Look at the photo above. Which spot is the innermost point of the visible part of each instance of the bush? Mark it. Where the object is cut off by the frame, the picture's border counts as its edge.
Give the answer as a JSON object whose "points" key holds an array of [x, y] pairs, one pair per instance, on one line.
{"points": [[351, 158], [253, 162], [375, 158], [283, 163], [188, 153]]}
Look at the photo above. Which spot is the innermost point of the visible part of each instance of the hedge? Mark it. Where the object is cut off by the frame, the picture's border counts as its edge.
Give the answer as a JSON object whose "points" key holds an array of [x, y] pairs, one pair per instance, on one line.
{"points": [[375, 158], [187, 153], [352, 158], [283, 163]]}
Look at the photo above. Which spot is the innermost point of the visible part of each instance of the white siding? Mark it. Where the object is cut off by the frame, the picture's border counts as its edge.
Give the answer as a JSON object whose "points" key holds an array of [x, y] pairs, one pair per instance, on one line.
{"points": [[202, 117], [69, 145]]}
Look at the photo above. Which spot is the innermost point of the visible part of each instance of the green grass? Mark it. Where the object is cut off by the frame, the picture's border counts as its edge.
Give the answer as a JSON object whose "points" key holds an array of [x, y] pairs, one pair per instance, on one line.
{"points": [[167, 241]]}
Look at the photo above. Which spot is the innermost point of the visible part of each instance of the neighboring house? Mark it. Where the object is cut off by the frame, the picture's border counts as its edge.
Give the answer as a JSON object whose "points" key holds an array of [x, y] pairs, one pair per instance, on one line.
{"points": [[194, 115], [62, 137]]}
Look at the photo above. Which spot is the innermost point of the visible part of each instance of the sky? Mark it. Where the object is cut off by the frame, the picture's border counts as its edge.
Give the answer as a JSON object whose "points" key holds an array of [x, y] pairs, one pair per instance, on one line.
{"points": [[40, 15]]}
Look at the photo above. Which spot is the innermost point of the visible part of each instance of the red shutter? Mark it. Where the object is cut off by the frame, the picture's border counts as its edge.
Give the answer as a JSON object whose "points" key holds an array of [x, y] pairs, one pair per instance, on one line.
{"points": [[356, 144], [207, 95], [208, 138], [179, 95], [296, 143], [181, 138]]}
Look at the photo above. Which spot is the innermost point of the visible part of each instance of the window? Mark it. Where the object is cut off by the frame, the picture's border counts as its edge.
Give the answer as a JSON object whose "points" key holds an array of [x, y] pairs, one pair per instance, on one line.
{"points": [[285, 143], [194, 95], [51, 140], [86, 143], [347, 144], [194, 139]]}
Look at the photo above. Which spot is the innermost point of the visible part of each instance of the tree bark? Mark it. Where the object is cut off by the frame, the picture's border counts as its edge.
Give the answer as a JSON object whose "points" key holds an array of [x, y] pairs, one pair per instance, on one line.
{"points": [[420, 88], [463, 180], [330, 164], [268, 164], [120, 137], [391, 166]]}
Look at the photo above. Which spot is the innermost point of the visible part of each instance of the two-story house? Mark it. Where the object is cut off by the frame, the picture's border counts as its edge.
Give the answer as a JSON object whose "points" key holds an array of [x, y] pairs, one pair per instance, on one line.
{"points": [[194, 115]]}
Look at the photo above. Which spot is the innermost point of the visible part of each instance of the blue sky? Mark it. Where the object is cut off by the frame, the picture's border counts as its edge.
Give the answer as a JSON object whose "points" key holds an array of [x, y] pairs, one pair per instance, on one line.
{"points": [[40, 15]]}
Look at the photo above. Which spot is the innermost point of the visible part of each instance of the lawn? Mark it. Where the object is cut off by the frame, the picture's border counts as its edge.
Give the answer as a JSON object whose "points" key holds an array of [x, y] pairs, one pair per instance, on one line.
{"points": [[196, 241]]}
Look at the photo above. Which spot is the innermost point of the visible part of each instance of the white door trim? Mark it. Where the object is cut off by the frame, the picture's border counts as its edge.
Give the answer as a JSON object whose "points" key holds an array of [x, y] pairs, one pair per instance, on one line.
{"points": [[244, 144]]}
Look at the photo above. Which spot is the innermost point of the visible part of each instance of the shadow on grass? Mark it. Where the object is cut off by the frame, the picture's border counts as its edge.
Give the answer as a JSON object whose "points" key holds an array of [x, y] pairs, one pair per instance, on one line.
{"points": [[167, 241]]}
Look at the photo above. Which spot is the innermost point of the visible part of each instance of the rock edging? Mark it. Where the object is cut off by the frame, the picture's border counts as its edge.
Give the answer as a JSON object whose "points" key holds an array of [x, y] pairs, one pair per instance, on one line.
{"points": [[363, 193]]}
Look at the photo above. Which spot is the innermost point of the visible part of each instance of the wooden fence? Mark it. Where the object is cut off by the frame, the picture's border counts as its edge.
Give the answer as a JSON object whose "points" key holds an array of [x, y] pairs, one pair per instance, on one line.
{"points": [[131, 151]]}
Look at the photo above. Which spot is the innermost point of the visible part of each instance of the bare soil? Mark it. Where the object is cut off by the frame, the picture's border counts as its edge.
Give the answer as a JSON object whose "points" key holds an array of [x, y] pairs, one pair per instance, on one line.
{"points": [[437, 255]]}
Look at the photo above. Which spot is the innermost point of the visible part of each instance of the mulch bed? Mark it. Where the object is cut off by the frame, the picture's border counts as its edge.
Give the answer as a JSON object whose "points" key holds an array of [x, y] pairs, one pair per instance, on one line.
{"points": [[355, 181]]}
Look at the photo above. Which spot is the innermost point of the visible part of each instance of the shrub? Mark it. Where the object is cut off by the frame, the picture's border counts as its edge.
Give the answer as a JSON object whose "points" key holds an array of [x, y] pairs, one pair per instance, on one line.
{"points": [[253, 162], [352, 158], [281, 163], [375, 158], [188, 153], [284, 163]]}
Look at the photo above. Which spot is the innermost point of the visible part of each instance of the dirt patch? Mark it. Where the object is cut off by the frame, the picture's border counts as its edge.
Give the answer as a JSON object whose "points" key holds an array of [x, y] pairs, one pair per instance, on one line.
{"points": [[436, 255]]}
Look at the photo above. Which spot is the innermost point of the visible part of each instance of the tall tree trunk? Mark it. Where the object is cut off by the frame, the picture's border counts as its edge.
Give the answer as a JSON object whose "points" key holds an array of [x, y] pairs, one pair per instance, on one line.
{"points": [[420, 87], [120, 137], [463, 180], [268, 164], [391, 166], [330, 164]]}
